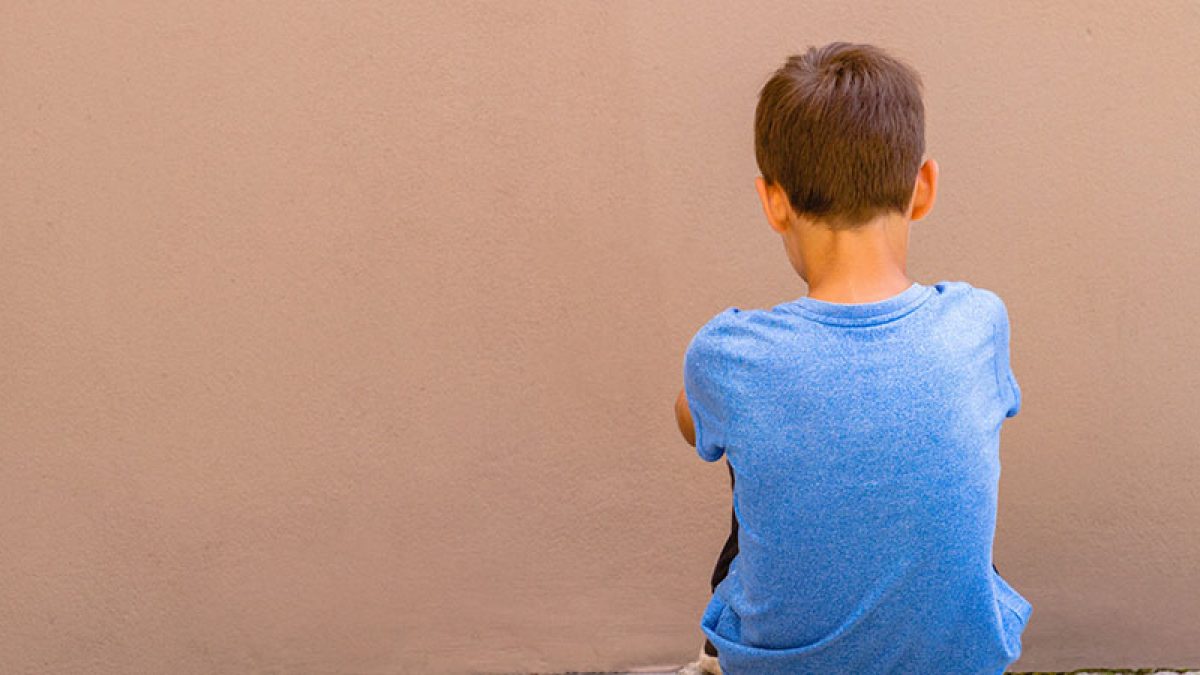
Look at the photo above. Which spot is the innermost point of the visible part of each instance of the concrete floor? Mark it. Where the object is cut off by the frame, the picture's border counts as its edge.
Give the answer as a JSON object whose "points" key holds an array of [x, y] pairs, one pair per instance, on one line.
{"points": [[672, 670]]}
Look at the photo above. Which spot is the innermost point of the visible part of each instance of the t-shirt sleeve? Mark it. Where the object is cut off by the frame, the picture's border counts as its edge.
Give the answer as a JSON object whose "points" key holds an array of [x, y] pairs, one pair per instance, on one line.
{"points": [[1010, 391], [706, 372]]}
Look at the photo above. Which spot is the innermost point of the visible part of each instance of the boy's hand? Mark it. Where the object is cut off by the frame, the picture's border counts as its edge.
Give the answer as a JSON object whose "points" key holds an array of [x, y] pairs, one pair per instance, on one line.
{"points": [[683, 416]]}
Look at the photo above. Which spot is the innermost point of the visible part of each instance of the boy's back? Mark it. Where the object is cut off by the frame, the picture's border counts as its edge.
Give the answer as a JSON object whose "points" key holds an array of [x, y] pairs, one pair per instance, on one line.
{"points": [[865, 441]]}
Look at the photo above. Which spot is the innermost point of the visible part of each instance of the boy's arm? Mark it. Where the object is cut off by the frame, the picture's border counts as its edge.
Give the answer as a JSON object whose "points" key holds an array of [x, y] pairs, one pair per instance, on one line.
{"points": [[683, 417]]}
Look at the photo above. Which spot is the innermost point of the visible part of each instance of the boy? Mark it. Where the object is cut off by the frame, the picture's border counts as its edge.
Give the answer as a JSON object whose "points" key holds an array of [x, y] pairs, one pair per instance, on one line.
{"points": [[860, 423]]}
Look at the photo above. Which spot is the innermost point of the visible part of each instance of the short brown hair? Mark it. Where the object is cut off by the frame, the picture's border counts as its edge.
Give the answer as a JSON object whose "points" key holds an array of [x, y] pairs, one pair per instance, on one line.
{"points": [[841, 129]]}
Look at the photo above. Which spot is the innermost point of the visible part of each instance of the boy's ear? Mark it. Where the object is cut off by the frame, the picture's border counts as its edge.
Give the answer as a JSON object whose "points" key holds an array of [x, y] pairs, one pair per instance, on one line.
{"points": [[775, 204], [925, 190]]}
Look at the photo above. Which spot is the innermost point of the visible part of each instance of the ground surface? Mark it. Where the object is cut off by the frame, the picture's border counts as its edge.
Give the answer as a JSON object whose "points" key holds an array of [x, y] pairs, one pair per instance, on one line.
{"points": [[1086, 671]]}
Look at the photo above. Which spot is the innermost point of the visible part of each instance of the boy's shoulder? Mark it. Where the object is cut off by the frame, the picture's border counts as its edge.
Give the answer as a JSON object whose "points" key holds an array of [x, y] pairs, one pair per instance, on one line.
{"points": [[728, 324], [992, 304]]}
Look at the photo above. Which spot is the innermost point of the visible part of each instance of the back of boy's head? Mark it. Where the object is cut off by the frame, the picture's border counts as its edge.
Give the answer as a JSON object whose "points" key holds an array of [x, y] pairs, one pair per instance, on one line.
{"points": [[841, 129]]}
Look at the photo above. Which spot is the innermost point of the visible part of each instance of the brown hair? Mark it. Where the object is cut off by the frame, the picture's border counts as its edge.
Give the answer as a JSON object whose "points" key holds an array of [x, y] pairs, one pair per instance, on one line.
{"points": [[841, 129]]}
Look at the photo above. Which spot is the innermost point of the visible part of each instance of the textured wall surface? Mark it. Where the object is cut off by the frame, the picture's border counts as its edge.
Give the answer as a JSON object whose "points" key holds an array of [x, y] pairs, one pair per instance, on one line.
{"points": [[345, 337]]}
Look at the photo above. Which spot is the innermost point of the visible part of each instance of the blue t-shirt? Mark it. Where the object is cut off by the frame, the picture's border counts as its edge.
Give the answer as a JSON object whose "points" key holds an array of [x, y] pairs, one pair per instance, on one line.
{"points": [[865, 443]]}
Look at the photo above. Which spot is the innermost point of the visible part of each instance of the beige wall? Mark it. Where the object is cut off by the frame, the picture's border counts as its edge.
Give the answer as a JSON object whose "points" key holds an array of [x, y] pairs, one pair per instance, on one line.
{"points": [[344, 337]]}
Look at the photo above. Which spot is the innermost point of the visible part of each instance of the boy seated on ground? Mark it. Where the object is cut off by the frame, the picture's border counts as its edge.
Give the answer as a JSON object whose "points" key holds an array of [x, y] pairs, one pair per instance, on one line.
{"points": [[861, 422]]}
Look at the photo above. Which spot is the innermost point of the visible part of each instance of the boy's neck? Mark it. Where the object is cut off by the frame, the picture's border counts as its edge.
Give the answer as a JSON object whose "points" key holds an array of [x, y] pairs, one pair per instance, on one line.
{"points": [[865, 264]]}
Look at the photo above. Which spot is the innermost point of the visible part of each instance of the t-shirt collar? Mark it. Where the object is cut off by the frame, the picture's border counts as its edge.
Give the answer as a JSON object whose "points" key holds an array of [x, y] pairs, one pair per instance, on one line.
{"points": [[865, 312]]}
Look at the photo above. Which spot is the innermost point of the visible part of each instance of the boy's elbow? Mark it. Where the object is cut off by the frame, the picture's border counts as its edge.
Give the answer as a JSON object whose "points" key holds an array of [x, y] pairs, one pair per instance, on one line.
{"points": [[683, 417]]}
